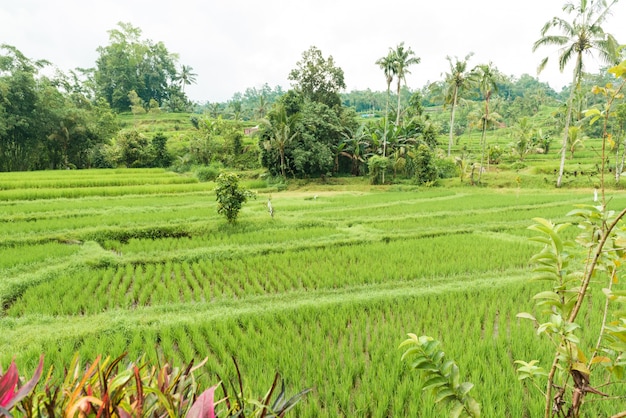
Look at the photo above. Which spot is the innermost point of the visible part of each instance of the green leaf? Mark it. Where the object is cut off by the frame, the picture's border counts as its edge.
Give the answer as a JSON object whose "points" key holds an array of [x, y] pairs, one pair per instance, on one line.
{"points": [[464, 388], [592, 112], [526, 315], [444, 394], [435, 382], [454, 375], [473, 407], [549, 295], [457, 410]]}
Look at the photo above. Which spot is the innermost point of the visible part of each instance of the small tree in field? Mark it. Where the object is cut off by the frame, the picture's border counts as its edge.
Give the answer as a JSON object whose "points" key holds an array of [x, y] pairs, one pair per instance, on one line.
{"points": [[230, 197]]}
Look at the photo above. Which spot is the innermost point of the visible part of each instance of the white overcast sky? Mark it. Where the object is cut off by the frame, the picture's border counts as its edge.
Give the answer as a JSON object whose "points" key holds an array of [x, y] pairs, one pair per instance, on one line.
{"points": [[236, 44]]}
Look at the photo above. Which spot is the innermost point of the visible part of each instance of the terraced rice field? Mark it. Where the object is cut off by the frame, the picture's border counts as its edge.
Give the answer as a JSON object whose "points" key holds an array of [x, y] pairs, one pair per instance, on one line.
{"points": [[138, 261]]}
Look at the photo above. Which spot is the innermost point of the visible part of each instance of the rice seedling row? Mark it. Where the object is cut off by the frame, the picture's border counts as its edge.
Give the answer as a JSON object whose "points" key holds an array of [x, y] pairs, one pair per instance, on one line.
{"points": [[307, 345]]}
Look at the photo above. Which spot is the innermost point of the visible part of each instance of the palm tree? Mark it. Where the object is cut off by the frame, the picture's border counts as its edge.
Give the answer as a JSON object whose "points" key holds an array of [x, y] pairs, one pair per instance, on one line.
{"points": [[354, 147], [582, 35], [282, 132], [575, 140], [403, 58], [457, 80], [386, 63], [487, 77], [186, 77], [262, 105]]}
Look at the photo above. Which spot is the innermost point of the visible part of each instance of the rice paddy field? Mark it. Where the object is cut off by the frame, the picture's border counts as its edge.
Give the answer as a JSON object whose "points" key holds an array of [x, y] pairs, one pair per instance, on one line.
{"points": [[138, 261]]}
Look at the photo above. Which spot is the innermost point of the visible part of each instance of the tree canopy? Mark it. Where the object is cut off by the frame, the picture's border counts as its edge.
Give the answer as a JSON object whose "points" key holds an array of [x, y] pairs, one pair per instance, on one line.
{"points": [[129, 63], [318, 78]]}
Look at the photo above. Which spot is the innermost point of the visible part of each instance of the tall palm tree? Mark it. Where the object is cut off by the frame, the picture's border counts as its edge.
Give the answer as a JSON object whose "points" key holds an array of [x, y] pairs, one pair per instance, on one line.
{"points": [[403, 58], [386, 63], [487, 77], [584, 34], [457, 80], [186, 77]]}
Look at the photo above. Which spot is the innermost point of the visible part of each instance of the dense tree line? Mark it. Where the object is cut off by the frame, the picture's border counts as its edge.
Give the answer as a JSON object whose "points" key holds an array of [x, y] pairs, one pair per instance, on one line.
{"points": [[130, 64], [68, 120], [47, 122]]}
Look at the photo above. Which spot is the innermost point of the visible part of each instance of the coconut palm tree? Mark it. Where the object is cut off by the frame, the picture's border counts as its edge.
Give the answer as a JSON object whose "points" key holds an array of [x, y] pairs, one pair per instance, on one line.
{"points": [[457, 80], [386, 63], [583, 35], [186, 77], [487, 77], [403, 58]]}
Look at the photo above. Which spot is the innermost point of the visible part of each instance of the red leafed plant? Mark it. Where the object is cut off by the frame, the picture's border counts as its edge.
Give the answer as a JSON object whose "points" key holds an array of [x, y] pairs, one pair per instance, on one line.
{"points": [[10, 393], [105, 389]]}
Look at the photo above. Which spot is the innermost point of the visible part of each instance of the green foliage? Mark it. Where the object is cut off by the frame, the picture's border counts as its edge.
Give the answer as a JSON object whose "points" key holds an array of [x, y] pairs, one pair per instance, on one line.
{"points": [[47, 123], [317, 78], [446, 168], [129, 64], [208, 173], [162, 157], [131, 149], [164, 272], [377, 166], [441, 377], [568, 266], [425, 167], [230, 197], [137, 106]]}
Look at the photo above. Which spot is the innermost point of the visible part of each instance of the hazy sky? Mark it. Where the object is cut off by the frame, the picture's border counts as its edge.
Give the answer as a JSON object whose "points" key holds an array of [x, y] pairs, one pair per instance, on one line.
{"points": [[236, 44]]}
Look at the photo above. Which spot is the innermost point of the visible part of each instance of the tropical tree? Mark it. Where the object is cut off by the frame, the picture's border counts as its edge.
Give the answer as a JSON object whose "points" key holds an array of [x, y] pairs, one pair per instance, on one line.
{"points": [[583, 35], [354, 147], [317, 78], [575, 140], [403, 59], [457, 80], [487, 77], [186, 77], [523, 138], [282, 132], [129, 63], [386, 63]]}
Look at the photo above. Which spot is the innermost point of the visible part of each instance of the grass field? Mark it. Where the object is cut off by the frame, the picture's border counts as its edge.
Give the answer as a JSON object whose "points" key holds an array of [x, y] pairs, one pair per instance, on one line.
{"points": [[139, 261]]}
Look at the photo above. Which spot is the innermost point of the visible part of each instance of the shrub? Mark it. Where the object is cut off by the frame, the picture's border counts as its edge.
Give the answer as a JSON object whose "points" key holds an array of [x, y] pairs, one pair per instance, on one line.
{"points": [[446, 168], [209, 173], [425, 168], [105, 388], [230, 197], [377, 167]]}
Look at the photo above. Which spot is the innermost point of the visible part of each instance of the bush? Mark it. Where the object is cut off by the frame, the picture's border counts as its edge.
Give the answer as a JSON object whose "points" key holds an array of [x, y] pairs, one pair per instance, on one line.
{"points": [[208, 173], [425, 168], [106, 388], [377, 167], [446, 168], [230, 197]]}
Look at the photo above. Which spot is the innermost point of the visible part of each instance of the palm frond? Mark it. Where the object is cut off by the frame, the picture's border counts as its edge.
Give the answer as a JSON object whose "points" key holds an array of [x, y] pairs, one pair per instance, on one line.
{"points": [[558, 40], [566, 56], [542, 65]]}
